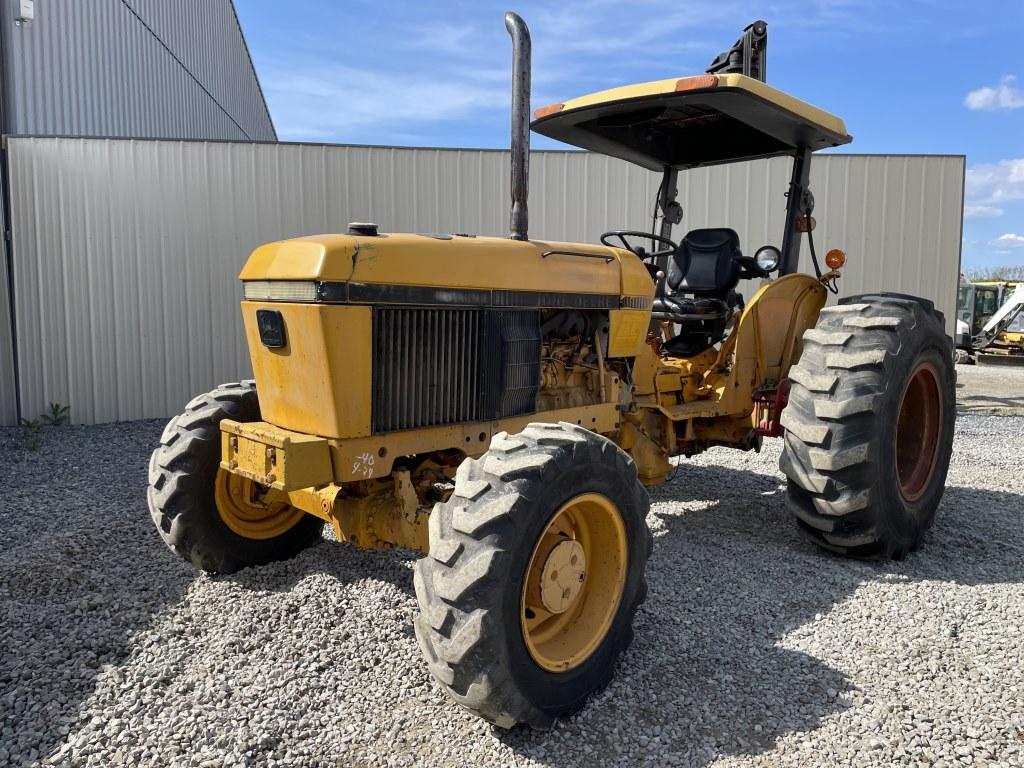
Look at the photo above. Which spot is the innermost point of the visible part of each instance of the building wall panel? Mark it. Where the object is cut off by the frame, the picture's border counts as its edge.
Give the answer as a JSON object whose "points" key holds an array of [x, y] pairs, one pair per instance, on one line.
{"points": [[126, 252], [207, 38], [8, 388], [131, 68]]}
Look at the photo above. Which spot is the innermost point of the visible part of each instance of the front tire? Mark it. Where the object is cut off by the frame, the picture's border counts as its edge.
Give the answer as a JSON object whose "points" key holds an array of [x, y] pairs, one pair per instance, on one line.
{"points": [[555, 503], [215, 520], [869, 425]]}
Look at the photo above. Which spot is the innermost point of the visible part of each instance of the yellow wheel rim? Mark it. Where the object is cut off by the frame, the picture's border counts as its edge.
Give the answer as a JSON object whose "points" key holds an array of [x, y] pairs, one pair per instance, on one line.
{"points": [[252, 510], [574, 582]]}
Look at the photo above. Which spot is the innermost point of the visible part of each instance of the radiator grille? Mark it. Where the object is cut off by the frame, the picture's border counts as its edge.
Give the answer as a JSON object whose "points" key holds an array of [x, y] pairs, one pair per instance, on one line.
{"points": [[518, 337], [435, 366]]}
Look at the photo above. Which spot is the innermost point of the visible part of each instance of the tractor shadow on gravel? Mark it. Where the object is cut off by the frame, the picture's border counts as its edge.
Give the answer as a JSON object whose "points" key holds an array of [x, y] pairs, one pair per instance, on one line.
{"points": [[343, 563], [730, 577]]}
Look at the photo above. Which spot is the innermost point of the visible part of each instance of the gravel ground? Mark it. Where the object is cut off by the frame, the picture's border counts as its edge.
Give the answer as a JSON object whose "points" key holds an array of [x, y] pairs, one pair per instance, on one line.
{"points": [[752, 649], [994, 389]]}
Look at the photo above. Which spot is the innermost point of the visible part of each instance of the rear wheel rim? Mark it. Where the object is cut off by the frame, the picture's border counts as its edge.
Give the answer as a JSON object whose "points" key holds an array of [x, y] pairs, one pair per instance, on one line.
{"points": [[252, 510], [574, 583], [918, 429]]}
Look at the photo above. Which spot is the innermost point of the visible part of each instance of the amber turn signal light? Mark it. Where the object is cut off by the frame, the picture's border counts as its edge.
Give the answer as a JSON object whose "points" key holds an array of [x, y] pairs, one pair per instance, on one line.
{"points": [[550, 109], [835, 258], [696, 82]]}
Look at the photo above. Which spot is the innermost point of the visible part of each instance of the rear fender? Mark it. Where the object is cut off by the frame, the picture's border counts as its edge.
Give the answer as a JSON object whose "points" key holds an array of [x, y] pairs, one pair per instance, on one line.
{"points": [[767, 340]]}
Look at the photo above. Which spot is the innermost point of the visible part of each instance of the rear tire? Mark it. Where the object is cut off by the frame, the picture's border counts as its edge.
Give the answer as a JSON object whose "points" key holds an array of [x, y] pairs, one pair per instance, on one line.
{"points": [[862, 481], [183, 475], [472, 588]]}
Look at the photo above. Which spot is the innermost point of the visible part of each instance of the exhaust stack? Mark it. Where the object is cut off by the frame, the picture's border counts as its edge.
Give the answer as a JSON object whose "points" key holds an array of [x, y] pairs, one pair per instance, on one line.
{"points": [[519, 219]]}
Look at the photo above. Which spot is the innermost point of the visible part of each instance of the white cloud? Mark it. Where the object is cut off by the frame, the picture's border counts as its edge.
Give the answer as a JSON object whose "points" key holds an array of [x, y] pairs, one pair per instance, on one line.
{"points": [[1000, 97], [981, 211], [1011, 239], [573, 29], [453, 39], [989, 185], [332, 101]]}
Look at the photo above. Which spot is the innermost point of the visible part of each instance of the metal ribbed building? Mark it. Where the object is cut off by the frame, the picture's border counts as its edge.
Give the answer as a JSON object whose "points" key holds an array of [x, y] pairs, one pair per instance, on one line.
{"points": [[128, 251], [133, 68], [171, 69], [118, 286]]}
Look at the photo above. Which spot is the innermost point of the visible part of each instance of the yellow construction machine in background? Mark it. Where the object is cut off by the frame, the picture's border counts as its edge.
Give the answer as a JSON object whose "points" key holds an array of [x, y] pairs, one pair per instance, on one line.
{"points": [[990, 322]]}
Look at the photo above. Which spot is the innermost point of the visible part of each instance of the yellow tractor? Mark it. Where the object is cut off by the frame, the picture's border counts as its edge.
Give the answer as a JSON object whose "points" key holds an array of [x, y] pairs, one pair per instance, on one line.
{"points": [[500, 405]]}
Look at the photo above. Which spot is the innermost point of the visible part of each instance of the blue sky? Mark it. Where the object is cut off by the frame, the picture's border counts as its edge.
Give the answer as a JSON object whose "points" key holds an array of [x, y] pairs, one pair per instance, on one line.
{"points": [[913, 76]]}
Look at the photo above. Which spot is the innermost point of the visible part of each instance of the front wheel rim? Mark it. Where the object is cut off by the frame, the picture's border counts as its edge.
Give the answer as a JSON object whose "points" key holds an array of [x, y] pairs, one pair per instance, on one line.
{"points": [[918, 430], [574, 582], [252, 510]]}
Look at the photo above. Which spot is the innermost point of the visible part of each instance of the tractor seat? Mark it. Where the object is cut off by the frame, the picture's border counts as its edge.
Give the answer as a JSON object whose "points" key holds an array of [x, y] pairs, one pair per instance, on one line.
{"points": [[706, 263], [701, 296]]}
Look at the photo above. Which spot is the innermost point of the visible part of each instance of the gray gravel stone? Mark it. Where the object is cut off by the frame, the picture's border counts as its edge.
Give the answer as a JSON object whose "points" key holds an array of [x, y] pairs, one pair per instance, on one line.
{"points": [[753, 648]]}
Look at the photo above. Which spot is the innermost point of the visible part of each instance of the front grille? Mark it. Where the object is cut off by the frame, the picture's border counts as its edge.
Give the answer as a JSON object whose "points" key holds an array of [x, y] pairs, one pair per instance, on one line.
{"points": [[436, 366], [517, 334]]}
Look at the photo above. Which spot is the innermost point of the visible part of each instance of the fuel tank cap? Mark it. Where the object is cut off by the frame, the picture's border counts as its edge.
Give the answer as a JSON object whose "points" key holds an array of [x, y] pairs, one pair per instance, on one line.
{"points": [[364, 228]]}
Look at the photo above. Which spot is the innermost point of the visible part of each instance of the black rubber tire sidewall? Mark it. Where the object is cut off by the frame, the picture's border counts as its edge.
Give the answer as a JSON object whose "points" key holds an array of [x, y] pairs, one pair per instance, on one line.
{"points": [[908, 520], [199, 534], [563, 692]]}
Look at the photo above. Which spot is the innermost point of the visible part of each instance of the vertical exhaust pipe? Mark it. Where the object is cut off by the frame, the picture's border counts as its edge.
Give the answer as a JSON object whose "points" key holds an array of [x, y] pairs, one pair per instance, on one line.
{"points": [[519, 219]]}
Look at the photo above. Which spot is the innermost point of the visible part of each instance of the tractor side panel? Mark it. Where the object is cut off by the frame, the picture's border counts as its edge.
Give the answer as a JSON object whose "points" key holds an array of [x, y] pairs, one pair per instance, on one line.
{"points": [[319, 381], [627, 331]]}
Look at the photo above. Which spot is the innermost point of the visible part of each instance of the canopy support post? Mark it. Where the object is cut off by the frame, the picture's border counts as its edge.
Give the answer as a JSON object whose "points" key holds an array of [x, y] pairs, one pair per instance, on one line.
{"points": [[671, 214], [799, 204]]}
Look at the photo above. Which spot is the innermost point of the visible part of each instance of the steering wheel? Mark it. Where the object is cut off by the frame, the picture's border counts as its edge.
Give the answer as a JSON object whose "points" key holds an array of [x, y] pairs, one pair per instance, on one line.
{"points": [[622, 234]]}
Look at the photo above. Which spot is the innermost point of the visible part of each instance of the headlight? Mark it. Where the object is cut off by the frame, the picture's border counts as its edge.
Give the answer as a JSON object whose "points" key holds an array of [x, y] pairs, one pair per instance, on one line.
{"points": [[768, 257], [280, 290]]}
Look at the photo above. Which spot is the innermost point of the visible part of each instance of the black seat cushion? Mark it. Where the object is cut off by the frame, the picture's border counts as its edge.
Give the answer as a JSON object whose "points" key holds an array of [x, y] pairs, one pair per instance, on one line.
{"points": [[706, 263], [680, 309]]}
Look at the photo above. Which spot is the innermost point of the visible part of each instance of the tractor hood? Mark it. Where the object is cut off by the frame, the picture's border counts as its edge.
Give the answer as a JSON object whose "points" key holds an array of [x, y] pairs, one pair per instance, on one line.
{"points": [[449, 269]]}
